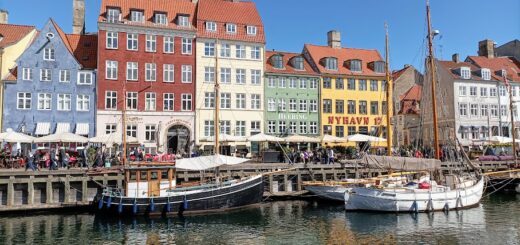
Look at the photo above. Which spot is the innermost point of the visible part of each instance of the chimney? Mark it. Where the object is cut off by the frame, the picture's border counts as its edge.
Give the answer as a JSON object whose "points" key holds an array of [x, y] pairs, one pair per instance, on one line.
{"points": [[407, 65], [78, 18], [455, 58], [334, 39], [4, 16], [486, 48]]}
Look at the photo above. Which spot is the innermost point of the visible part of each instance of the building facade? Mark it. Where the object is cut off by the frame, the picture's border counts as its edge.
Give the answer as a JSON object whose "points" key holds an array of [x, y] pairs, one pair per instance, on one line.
{"points": [[353, 93], [54, 89], [230, 47], [147, 68], [291, 95]]}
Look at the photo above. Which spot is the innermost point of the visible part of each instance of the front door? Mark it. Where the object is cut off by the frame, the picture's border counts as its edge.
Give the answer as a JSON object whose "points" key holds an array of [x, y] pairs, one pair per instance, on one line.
{"points": [[178, 139], [154, 184]]}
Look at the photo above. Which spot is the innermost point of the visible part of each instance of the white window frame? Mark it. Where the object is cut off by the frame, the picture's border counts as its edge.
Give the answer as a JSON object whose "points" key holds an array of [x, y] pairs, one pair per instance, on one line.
{"points": [[26, 74], [111, 70], [64, 102], [169, 44], [137, 16], [240, 128], [186, 102], [151, 43], [132, 101], [64, 76], [112, 40], [225, 50], [49, 54], [271, 82], [256, 102], [231, 28], [271, 127], [113, 15], [463, 91], [240, 101], [44, 101], [271, 104], [47, 76], [131, 130], [168, 73], [132, 69], [313, 127], [211, 26], [150, 101], [209, 74], [183, 20], [282, 106], [225, 75], [26, 99], [150, 74], [160, 18], [303, 105], [109, 96], [132, 41], [209, 49], [110, 128], [187, 74], [209, 100], [486, 74], [209, 128], [256, 77], [168, 99], [256, 52], [225, 100], [187, 46], [240, 51], [240, 76], [465, 72], [85, 78], [82, 102], [313, 105], [150, 133], [252, 30]]}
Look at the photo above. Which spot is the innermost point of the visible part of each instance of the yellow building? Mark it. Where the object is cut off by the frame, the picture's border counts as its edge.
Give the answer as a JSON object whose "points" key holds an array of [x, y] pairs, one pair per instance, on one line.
{"points": [[14, 39], [352, 91]]}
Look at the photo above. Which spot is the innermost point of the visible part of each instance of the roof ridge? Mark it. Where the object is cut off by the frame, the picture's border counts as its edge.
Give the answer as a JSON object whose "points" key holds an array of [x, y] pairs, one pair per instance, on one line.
{"points": [[325, 46], [63, 36], [19, 25]]}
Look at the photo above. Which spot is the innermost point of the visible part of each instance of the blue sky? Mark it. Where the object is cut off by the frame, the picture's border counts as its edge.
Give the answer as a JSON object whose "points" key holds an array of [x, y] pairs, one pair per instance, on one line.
{"points": [[291, 23]]}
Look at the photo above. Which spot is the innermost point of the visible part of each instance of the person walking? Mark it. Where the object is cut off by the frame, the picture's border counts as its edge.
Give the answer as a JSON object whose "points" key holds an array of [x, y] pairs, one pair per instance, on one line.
{"points": [[53, 160], [330, 154]]}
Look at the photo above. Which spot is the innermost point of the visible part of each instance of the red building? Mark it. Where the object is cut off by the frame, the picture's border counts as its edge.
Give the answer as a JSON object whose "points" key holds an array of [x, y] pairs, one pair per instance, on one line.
{"points": [[146, 62]]}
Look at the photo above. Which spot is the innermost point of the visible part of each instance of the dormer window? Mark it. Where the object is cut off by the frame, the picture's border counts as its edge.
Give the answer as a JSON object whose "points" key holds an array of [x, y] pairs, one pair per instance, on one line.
{"points": [[160, 18], [485, 73], [231, 28], [113, 15], [379, 67], [503, 73], [277, 61], [251, 30], [331, 63], [211, 26], [136, 16], [183, 20], [465, 72], [297, 63], [354, 65]]}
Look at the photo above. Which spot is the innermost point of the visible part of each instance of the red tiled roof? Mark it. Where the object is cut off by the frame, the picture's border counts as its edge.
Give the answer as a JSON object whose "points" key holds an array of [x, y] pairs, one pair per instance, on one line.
{"points": [[84, 49], [63, 36], [11, 34], [453, 66], [410, 100], [414, 93], [12, 75], [511, 65], [221, 12], [288, 68], [366, 56], [397, 74], [172, 8]]}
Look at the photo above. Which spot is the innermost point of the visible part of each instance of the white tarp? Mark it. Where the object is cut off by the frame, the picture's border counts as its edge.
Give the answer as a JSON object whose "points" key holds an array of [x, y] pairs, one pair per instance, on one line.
{"points": [[261, 137], [113, 138], [62, 128], [400, 163], [62, 138], [42, 128], [207, 162], [11, 136], [296, 138], [82, 128]]}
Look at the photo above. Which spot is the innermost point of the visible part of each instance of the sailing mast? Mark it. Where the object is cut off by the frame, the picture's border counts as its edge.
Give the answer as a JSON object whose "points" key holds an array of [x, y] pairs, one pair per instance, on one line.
{"points": [[431, 63], [123, 122], [513, 136], [216, 123], [389, 102]]}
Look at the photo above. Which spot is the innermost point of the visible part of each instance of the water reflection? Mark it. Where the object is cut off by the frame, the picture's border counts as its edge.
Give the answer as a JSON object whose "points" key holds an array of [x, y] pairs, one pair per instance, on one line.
{"points": [[496, 221]]}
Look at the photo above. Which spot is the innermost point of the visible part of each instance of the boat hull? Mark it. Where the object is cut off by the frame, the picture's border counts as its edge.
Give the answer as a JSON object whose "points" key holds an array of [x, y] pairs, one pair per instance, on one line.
{"points": [[244, 193], [369, 199], [333, 193]]}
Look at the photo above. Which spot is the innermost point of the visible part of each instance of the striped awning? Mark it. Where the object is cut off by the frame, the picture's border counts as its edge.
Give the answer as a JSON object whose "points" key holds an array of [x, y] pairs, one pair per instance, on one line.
{"points": [[63, 128], [82, 128], [42, 128]]}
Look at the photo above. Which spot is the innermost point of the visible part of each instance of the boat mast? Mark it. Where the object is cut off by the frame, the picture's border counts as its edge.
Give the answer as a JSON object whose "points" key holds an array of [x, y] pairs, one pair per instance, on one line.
{"points": [[510, 88], [216, 123], [431, 63], [389, 102], [123, 122]]}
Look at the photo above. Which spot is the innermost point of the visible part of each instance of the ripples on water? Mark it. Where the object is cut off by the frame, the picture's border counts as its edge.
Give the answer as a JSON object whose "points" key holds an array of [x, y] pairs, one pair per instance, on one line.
{"points": [[496, 221]]}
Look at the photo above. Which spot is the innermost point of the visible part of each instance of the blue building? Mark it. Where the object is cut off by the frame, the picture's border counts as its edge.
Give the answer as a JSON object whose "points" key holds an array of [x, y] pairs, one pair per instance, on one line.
{"points": [[53, 87]]}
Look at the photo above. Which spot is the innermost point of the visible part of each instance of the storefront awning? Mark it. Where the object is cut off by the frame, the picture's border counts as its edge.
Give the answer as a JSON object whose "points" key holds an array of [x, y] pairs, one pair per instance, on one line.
{"points": [[42, 128], [82, 128], [63, 128]]}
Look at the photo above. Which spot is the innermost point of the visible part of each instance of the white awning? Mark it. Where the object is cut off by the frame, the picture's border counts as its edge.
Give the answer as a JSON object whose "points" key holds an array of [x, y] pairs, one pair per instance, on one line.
{"points": [[82, 128], [63, 128], [207, 162], [42, 128]]}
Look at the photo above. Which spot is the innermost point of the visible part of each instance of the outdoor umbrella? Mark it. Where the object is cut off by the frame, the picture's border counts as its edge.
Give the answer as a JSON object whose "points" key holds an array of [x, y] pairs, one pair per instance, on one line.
{"points": [[358, 138], [261, 137], [11, 136], [113, 138], [296, 138], [331, 139], [62, 138], [500, 139], [226, 138]]}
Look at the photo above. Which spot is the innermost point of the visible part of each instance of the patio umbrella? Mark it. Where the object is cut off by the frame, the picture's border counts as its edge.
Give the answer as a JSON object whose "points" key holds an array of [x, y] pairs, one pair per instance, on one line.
{"points": [[113, 138], [11, 136], [62, 138], [358, 138], [331, 139], [225, 138], [296, 138], [500, 139], [261, 137]]}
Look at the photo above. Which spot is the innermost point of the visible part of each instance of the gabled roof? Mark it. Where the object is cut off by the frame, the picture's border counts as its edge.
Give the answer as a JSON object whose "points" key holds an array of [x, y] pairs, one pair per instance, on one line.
{"points": [[172, 8], [414, 93], [221, 12], [410, 100], [12, 34], [12, 75], [398, 73], [511, 65], [452, 67], [288, 67], [317, 53]]}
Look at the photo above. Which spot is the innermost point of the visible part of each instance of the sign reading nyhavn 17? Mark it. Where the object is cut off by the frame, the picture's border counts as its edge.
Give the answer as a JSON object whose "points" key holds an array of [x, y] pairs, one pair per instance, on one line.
{"points": [[354, 120]]}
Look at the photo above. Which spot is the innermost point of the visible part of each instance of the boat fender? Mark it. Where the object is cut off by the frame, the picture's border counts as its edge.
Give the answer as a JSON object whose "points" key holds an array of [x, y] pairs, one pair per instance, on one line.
{"points": [[459, 203], [446, 207], [109, 201], [120, 207], [134, 207], [100, 203], [415, 209], [152, 205], [185, 203], [167, 207], [429, 206], [517, 188]]}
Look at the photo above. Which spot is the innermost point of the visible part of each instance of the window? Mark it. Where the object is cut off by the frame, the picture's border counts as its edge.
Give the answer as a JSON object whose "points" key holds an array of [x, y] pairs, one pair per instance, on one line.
{"points": [[363, 130], [168, 73], [240, 51], [379, 67], [131, 71], [160, 18], [84, 78], [209, 74], [271, 127], [281, 104], [331, 63], [225, 50], [303, 83], [351, 108], [503, 111], [45, 75], [251, 30], [136, 16], [374, 107], [473, 91], [255, 127], [271, 104], [303, 127], [351, 84], [483, 92], [486, 74], [326, 82], [256, 77], [303, 105], [292, 82], [187, 45], [209, 49], [292, 127], [64, 102], [340, 106], [149, 133], [112, 38], [209, 100], [277, 61], [151, 43], [465, 72], [327, 129], [23, 101], [131, 101], [131, 130], [240, 101], [26, 74], [281, 127], [183, 20], [225, 100], [313, 127], [132, 41], [64, 76], [313, 84], [151, 72], [231, 28], [111, 70], [255, 52], [150, 102], [271, 82], [494, 110], [168, 101], [111, 100], [83, 102], [313, 105], [362, 107], [502, 90], [484, 110], [463, 109], [186, 102], [462, 90], [209, 129], [240, 128], [355, 65], [373, 85], [292, 105], [168, 44], [113, 15], [241, 76], [186, 73], [327, 106], [44, 101], [225, 127], [48, 54], [340, 131], [473, 110], [351, 130], [110, 128], [493, 92], [256, 102], [297, 63], [339, 83], [211, 26], [362, 85]]}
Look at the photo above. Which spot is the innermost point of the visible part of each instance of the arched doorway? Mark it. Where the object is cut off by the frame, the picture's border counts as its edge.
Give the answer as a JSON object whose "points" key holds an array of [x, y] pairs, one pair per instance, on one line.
{"points": [[178, 139]]}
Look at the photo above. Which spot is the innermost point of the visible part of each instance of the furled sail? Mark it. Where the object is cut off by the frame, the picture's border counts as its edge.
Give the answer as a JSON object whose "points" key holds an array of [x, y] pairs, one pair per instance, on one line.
{"points": [[207, 162], [401, 163]]}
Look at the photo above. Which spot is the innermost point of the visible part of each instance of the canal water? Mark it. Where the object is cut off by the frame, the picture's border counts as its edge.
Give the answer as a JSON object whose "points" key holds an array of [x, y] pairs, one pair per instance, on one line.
{"points": [[495, 221]]}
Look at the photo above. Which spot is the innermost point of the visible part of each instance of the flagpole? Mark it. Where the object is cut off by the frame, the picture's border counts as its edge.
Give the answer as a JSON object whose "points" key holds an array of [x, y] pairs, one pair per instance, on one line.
{"points": [[510, 89]]}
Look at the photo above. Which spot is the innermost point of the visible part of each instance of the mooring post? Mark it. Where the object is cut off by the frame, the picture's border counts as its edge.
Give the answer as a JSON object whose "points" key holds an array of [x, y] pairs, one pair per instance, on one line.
{"points": [[299, 185], [285, 183], [30, 190], [84, 190], [105, 180], [48, 190], [66, 186], [271, 183], [10, 191]]}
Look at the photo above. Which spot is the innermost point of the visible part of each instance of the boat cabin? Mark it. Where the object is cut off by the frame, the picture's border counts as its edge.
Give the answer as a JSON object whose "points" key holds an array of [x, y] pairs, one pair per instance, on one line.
{"points": [[149, 179]]}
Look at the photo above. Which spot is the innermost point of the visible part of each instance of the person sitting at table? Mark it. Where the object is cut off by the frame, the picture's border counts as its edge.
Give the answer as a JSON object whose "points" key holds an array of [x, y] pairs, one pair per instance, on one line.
{"points": [[53, 160]]}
